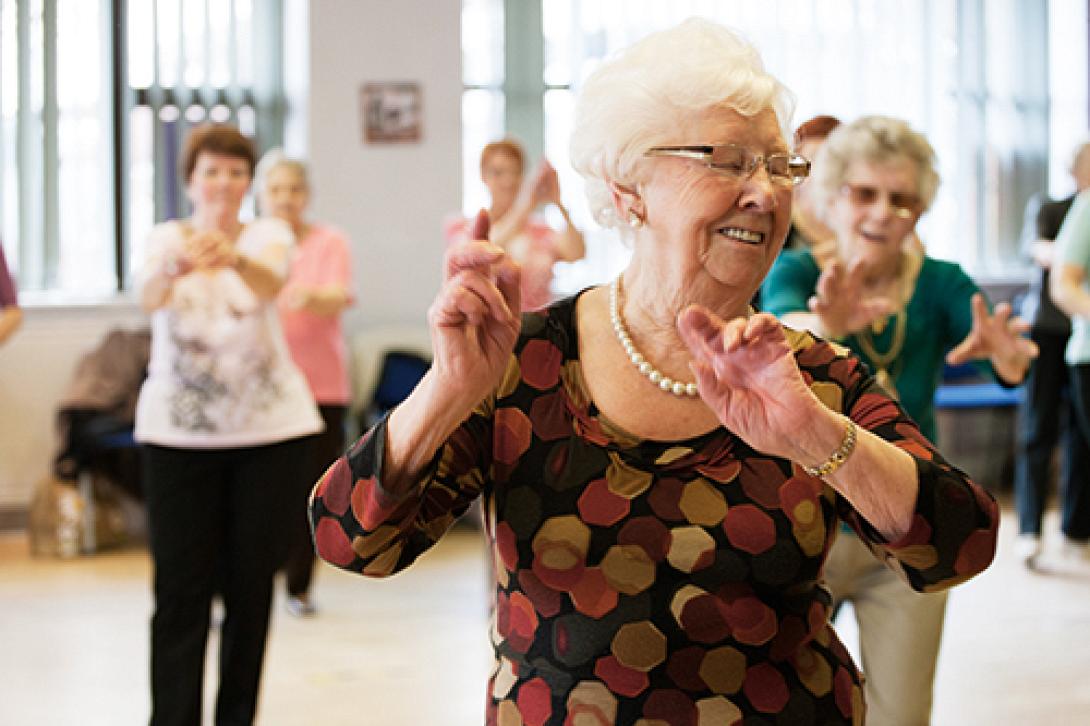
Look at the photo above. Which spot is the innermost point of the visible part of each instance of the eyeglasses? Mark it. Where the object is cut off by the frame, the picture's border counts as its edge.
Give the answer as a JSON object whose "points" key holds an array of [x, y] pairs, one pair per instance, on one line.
{"points": [[905, 205], [740, 162]]}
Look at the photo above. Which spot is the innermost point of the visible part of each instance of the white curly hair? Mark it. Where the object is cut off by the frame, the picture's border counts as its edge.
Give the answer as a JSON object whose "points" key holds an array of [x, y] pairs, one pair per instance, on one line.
{"points": [[633, 101]]}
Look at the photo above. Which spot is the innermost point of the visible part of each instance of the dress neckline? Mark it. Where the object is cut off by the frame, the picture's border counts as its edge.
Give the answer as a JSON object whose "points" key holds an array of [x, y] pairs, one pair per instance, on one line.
{"points": [[618, 438]]}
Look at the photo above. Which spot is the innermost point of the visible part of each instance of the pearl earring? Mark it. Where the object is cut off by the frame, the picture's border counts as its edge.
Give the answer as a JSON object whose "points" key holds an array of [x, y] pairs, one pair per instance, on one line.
{"points": [[634, 219]]}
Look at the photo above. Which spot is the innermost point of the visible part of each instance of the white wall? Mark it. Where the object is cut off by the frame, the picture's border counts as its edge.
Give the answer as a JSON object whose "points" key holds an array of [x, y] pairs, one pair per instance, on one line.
{"points": [[390, 199]]}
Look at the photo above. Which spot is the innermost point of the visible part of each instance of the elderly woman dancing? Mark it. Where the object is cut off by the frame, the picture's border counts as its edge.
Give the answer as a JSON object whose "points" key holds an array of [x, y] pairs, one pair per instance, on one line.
{"points": [[662, 469], [902, 313]]}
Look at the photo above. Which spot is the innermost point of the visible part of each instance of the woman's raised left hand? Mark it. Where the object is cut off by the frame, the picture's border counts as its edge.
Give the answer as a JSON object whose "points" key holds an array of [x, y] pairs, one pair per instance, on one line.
{"points": [[996, 337], [746, 373]]}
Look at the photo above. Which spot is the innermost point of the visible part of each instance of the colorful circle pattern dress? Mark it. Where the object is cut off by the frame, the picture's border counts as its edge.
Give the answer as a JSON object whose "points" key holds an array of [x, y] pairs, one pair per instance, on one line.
{"points": [[651, 582]]}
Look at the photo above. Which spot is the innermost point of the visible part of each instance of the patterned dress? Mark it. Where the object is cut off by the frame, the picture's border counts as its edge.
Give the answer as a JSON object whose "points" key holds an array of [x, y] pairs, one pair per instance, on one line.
{"points": [[651, 582]]}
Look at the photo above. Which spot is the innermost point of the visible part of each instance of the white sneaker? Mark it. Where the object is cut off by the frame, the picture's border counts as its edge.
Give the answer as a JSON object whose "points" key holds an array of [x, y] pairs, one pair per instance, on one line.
{"points": [[1074, 550], [1027, 548], [301, 607]]}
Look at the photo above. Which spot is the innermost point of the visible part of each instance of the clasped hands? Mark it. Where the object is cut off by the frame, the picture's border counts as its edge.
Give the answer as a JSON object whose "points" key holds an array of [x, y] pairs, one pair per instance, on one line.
{"points": [[206, 250]]}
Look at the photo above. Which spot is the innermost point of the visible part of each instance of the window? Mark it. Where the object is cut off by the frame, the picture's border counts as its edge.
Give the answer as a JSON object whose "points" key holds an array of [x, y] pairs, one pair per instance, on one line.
{"points": [[962, 72], [91, 127], [483, 96], [55, 136]]}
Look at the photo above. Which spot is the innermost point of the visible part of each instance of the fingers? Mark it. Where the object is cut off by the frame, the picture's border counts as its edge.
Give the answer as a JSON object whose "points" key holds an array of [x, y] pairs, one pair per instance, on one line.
{"points": [[856, 272], [481, 225], [762, 325], [483, 288], [697, 327], [714, 342], [1020, 326], [960, 353], [459, 305], [979, 309], [475, 254], [830, 280], [707, 383]]}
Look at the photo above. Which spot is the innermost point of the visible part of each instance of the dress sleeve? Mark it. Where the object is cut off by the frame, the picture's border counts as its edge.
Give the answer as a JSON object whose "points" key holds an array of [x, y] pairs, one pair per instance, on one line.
{"points": [[790, 283], [361, 526], [955, 523]]}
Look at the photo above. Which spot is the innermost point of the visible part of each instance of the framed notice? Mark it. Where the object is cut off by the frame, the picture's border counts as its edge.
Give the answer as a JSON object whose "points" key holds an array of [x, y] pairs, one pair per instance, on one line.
{"points": [[391, 112]]}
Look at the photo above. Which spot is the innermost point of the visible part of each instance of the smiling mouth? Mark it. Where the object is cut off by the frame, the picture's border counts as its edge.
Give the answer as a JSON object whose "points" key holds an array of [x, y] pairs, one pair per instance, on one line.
{"points": [[742, 235]]}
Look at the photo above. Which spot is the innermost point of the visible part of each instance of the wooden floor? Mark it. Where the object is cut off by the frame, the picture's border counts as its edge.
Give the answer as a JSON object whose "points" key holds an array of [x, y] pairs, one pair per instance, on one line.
{"points": [[413, 650]]}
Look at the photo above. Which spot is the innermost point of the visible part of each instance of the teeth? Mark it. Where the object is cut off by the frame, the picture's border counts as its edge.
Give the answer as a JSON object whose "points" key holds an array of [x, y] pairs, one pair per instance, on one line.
{"points": [[742, 234]]}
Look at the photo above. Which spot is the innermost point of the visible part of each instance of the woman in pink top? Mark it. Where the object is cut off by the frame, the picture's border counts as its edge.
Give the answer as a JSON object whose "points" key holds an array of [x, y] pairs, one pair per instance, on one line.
{"points": [[528, 239], [318, 289]]}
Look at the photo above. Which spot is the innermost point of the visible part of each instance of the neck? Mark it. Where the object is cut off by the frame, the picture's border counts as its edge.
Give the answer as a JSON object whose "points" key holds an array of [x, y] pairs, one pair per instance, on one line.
{"points": [[651, 305]]}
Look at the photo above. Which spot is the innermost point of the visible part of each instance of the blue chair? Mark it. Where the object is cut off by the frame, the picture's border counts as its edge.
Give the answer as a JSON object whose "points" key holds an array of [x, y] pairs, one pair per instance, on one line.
{"points": [[965, 387], [401, 370]]}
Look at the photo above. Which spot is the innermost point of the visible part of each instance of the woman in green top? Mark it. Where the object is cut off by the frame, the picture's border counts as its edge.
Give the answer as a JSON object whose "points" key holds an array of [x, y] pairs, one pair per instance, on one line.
{"points": [[903, 313]]}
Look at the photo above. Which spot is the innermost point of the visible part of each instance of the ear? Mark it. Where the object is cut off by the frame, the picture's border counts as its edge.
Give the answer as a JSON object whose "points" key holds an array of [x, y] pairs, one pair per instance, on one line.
{"points": [[626, 200]]}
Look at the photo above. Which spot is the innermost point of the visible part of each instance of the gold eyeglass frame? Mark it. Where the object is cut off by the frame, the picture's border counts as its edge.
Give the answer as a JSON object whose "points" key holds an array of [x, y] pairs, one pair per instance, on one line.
{"points": [[798, 165]]}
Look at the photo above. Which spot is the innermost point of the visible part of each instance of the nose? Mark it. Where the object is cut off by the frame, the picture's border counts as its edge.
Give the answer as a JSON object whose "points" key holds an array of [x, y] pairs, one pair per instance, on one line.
{"points": [[758, 191]]}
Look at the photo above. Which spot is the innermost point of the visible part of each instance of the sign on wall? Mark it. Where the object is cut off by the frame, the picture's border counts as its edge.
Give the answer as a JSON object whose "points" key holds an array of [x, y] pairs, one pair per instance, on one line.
{"points": [[391, 112]]}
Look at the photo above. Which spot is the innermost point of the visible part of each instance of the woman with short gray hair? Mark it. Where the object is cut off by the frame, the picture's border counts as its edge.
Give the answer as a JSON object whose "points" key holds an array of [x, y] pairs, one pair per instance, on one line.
{"points": [[904, 314]]}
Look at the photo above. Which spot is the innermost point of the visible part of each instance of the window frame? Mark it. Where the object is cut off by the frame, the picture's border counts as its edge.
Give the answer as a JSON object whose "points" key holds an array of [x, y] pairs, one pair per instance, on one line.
{"points": [[34, 137]]}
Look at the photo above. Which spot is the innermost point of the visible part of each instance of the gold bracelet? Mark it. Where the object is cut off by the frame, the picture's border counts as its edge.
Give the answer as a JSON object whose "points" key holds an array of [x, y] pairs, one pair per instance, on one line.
{"points": [[838, 457]]}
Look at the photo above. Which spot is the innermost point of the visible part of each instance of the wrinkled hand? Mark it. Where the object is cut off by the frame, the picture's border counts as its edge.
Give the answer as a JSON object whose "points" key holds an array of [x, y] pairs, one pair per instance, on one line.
{"points": [[841, 303], [475, 318], [997, 337], [746, 373]]}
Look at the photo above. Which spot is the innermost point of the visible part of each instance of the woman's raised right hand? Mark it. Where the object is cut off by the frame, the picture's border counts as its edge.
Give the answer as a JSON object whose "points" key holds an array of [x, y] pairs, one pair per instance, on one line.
{"points": [[475, 318], [842, 303]]}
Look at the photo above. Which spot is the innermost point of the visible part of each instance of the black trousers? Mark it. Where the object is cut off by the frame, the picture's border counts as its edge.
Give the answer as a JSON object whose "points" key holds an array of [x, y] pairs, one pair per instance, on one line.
{"points": [[1045, 414], [1075, 519], [323, 450], [218, 523]]}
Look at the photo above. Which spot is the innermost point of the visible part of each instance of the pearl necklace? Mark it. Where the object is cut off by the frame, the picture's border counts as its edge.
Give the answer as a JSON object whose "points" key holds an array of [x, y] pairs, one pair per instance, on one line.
{"points": [[642, 365]]}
